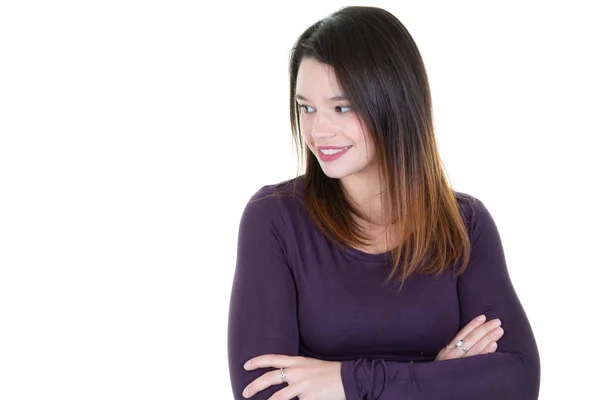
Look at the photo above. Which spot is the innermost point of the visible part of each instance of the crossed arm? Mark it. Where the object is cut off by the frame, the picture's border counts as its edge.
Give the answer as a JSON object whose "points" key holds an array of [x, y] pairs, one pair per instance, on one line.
{"points": [[264, 299]]}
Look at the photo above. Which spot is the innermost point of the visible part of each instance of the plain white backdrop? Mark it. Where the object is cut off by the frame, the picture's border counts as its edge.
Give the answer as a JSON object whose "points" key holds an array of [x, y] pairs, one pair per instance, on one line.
{"points": [[133, 133]]}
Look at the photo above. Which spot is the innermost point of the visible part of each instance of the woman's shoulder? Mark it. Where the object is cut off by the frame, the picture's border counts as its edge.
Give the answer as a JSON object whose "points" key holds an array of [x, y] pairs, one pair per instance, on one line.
{"points": [[469, 206], [273, 200], [280, 192], [466, 201]]}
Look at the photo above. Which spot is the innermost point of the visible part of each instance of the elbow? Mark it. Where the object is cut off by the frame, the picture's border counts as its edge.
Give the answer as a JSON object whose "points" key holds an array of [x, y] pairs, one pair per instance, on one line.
{"points": [[525, 376]]}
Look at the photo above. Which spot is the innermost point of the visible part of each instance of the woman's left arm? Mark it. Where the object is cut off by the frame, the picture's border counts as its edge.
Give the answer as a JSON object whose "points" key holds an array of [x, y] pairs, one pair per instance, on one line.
{"points": [[511, 372]]}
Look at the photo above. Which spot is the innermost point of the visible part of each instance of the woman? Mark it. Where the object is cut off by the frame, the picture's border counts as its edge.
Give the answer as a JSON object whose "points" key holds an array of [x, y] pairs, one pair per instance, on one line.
{"points": [[364, 277]]}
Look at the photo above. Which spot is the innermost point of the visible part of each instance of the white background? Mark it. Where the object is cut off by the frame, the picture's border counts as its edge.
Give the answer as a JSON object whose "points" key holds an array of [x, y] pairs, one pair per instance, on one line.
{"points": [[133, 133]]}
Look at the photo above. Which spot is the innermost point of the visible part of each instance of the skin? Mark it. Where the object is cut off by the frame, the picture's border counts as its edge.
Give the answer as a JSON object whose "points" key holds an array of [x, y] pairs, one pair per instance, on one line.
{"points": [[326, 122], [307, 378]]}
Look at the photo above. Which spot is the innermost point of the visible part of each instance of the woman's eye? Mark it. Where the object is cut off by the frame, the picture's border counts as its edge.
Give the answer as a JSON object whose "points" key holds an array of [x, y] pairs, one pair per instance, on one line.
{"points": [[309, 109], [303, 107]]}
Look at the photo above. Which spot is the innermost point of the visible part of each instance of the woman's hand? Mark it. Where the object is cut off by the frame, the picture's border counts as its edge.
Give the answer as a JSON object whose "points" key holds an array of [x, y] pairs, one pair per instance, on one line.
{"points": [[478, 338], [307, 378]]}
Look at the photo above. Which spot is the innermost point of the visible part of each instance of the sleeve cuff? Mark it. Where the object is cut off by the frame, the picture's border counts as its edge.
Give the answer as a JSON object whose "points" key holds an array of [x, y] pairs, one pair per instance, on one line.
{"points": [[349, 381]]}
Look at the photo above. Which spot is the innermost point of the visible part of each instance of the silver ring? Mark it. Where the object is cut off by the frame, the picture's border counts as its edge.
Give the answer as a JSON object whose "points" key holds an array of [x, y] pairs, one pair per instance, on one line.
{"points": [[282, 375], [459, 345]]}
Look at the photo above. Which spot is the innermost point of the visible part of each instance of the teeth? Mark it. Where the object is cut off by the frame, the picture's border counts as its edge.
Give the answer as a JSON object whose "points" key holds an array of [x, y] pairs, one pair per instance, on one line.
{"points": [[331, 151]]}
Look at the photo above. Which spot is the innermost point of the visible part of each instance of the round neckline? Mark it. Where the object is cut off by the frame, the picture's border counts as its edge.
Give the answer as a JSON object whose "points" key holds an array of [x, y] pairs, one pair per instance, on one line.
{"points": [[366, 256], [349, 250]]}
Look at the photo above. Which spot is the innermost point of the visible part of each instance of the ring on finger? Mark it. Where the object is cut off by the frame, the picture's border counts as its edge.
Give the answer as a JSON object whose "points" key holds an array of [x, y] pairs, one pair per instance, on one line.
{"points": [[459, 345]]}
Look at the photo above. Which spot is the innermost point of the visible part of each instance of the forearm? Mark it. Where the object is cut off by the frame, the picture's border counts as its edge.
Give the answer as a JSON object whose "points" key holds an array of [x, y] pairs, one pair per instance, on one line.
{"points": [[490, 376]]}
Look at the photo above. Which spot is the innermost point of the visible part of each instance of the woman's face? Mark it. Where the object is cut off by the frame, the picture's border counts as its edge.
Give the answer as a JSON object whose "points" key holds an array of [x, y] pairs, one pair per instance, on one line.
{"points": [[326, 119]]}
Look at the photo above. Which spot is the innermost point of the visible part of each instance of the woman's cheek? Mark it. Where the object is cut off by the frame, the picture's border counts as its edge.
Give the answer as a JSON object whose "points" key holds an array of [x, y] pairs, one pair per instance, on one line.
{"points": [[306, 137]]}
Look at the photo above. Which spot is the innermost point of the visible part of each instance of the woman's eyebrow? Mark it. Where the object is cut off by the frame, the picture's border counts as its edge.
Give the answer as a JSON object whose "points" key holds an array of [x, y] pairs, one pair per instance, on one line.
{"points": [[334, 98]]}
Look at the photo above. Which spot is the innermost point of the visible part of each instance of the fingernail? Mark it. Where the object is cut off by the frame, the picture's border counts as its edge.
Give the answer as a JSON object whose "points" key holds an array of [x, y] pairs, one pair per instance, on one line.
{"points": [[246, 365], [245, 393], [496, 322], [494, 345], [481, 317]]}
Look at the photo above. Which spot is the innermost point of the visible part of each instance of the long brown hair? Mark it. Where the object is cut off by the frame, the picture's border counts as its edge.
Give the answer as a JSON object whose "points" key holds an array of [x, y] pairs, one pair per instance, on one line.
{"points": [[380, 70]]}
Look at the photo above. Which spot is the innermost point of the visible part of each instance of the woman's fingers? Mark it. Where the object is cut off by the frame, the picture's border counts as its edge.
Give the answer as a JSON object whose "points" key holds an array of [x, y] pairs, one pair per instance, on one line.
{"points": [[451, 351], [264, 381], [465, 333], [483, 344], [490, 348], [478, 337]]}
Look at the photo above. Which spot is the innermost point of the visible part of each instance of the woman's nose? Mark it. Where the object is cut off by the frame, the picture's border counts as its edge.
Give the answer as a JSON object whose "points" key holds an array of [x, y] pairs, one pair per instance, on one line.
{"points": [[322, 127]]}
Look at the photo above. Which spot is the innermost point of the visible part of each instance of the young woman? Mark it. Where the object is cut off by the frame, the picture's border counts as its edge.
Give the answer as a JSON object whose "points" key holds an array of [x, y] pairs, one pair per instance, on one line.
{"points": [[368, 276]]}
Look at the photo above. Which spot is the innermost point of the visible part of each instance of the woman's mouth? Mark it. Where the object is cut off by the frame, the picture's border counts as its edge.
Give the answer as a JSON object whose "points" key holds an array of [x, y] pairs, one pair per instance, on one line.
{"points": [[332, 154]]}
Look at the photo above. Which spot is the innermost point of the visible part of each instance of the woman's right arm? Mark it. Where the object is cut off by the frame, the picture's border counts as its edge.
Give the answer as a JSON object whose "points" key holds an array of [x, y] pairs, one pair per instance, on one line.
{"points": [[262, 308]]}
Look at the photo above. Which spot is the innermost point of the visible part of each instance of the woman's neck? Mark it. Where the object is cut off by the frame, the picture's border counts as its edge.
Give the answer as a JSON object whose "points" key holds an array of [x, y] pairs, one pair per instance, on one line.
{"points": [[367, 196]]}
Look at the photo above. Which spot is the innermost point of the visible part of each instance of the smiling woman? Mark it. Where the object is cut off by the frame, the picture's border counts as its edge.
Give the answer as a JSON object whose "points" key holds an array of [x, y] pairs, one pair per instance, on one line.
{"points": [[330, 128], [368, 276]]}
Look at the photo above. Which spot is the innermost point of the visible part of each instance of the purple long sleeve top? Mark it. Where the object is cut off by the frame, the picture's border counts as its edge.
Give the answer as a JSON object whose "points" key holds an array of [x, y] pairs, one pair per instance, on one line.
{"points": [[295, 293]]}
